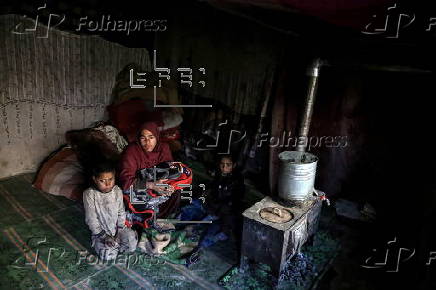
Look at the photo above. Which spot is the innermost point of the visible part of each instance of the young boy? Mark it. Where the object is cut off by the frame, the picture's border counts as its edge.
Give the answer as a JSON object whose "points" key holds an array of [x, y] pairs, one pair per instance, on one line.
{"points": [[224, 198], [105, 215]]}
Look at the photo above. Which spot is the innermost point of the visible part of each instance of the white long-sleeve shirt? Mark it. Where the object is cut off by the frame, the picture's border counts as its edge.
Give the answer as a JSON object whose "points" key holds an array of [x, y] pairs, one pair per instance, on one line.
{"points": [[104, 211]]}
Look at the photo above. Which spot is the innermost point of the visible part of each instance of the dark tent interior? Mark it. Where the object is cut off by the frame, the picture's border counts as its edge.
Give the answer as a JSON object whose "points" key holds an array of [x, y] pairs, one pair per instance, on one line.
{"points": [[261, 85]]}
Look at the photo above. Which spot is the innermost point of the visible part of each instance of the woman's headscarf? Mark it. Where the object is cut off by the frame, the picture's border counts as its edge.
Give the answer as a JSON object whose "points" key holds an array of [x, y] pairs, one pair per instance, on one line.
{"points": [[135, 158], [160, 152], [154, 129]]}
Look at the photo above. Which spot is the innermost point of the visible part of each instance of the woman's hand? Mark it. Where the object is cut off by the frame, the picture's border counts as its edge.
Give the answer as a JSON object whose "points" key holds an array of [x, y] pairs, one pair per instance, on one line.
{"points": [[167, 191], [164, 189]]}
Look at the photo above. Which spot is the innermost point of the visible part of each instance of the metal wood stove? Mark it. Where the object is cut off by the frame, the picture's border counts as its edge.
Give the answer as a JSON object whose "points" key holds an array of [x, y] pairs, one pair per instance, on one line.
{"points": [[272, 232]]}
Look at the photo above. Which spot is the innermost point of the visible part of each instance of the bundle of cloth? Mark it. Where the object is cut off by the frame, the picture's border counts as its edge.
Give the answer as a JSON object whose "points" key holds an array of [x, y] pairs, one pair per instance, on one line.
{"points": [[175, 247], [143, 203]]}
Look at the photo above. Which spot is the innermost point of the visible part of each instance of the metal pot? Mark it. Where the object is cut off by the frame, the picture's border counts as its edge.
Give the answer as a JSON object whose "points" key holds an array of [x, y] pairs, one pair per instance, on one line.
{"points": [[296, 175]]}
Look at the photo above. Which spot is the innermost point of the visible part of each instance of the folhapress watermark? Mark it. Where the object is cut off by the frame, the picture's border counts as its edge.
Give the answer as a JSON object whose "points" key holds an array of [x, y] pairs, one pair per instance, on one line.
{"points": [[126, 260], [390, 258], [395, 19], [39, 255], [283, 140], [286, 140], [104, 23]]}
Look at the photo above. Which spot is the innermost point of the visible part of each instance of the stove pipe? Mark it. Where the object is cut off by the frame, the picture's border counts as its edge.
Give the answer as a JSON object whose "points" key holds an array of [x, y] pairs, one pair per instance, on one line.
{"points": [[310, 100]]}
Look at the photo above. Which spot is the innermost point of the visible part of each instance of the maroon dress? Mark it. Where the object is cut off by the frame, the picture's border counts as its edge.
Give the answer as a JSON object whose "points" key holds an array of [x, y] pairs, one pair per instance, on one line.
{"points": [[134, 158]]}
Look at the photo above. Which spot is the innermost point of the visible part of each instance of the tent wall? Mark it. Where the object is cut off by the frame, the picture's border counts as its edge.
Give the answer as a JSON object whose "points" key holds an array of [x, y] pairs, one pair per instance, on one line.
{"points": [[51, 85], [239, 56]]}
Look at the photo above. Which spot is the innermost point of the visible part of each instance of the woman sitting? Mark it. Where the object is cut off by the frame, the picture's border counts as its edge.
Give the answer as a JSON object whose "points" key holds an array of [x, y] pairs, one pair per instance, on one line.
{"points": [[147, 152]]}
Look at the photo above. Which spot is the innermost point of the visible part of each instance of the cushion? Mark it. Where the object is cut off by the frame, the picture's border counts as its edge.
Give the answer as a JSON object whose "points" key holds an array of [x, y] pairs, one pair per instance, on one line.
{"points": [[62, 175]]}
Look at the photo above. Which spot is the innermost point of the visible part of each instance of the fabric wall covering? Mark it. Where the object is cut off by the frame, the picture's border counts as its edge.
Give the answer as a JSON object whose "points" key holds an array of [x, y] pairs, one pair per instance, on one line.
{"points": [[238, 56], [51, 85]]}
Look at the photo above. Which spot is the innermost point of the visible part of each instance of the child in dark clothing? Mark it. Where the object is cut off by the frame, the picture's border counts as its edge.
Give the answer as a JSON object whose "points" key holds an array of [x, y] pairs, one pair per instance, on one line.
{"points": [[225, 194]]}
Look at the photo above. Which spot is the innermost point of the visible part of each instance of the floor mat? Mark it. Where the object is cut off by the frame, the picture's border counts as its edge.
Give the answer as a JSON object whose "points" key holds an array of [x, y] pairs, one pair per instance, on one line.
{"points": [[45, 243]]}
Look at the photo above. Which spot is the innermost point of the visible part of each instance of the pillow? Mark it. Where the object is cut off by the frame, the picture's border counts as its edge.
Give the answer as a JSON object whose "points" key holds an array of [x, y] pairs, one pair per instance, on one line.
{"points": [[62, 175]]}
